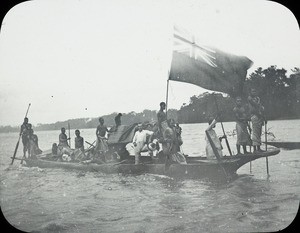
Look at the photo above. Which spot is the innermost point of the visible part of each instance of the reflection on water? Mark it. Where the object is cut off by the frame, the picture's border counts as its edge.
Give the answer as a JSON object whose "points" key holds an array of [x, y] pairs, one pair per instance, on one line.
{"points": [[56, 200]]}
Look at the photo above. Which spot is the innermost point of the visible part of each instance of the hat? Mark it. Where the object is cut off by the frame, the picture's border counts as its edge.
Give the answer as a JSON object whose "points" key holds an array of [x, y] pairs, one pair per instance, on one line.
{"points": [[151, 146]]}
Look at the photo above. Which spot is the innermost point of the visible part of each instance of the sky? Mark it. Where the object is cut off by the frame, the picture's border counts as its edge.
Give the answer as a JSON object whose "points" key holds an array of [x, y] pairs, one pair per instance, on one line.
{"points": [[83, 59]]}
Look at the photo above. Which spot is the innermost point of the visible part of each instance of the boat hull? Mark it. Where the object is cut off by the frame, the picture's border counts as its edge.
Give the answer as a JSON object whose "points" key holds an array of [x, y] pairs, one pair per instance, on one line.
{"points": [[197, 167], [285, 145]]}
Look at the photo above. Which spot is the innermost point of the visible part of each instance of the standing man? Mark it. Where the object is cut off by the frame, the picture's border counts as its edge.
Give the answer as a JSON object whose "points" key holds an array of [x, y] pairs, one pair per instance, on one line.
{"points": [[33, 144], [162, 118], [257, 119], [63, 139], [243, 137], [101, 144], [118, 120], [25, 127]]}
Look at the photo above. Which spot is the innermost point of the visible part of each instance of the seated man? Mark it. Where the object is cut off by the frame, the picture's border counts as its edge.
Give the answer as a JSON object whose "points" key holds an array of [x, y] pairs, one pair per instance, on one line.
{"points": [[211, 137], [139, 142]]}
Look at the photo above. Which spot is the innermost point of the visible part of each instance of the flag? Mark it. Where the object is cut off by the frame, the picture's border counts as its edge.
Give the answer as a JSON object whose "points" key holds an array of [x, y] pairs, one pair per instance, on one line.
{"points": [[207, 67]]}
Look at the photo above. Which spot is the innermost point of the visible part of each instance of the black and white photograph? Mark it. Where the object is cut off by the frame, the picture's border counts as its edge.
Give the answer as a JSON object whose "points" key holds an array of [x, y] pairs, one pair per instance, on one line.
{"points": [[149, 116]]}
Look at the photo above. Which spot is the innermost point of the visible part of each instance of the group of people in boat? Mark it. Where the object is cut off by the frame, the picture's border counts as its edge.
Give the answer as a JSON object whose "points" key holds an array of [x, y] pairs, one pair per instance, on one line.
{"points": [[161, 140], [252, 111]]}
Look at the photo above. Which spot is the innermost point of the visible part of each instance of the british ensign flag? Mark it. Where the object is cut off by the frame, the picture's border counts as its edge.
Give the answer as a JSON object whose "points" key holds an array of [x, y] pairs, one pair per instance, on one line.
{"points": [[206, 66]]}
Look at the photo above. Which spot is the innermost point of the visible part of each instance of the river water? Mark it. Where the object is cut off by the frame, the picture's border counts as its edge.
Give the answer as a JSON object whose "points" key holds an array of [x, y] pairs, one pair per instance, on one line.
{"points": [[57, 200]]}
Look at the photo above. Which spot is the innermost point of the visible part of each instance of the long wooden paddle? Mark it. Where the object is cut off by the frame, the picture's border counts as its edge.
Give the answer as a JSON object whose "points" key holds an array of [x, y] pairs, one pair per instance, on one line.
{"points": [[69, 134], [17, 145], [266, 141], [224, 134], [91, 144], [250, 131], [216, 154]]}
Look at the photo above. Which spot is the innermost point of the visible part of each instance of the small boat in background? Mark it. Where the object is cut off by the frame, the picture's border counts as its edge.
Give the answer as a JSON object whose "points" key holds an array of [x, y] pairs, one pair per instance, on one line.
{"points": [[285, 145]]}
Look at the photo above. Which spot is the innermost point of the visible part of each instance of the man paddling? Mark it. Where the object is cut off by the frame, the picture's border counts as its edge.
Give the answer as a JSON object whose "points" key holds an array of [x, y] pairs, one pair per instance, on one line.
{"points": [[25, 127]]}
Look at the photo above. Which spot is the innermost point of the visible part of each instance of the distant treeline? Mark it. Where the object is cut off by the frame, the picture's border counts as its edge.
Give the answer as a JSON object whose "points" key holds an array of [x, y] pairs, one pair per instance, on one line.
{"points": [[85, 123], [279, 93]]}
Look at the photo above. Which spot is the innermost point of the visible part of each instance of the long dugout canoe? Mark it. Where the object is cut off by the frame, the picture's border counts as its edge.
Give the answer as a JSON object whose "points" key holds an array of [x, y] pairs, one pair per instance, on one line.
{"points": [[196, 167]]}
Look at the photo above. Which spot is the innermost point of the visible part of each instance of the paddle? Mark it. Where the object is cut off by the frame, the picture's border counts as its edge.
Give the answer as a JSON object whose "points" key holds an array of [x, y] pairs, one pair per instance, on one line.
{"points": [[224, 135], [250, 131], [266, 141], [17, 145], [69, 134], [91, 144], [216, 153]]}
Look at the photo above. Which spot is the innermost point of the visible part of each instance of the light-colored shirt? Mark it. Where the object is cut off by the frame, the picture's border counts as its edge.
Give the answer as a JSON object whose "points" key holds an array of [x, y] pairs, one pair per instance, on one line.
{"points": [[141, 137]]}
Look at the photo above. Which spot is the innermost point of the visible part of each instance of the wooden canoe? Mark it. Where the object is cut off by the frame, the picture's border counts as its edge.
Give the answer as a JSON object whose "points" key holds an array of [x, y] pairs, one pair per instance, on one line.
{"points": [[196, 167]]}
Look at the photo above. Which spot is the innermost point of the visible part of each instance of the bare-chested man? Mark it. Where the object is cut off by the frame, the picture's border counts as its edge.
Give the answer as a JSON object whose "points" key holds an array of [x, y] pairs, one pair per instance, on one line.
{"points": [[101, 144], [162, 117]]}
